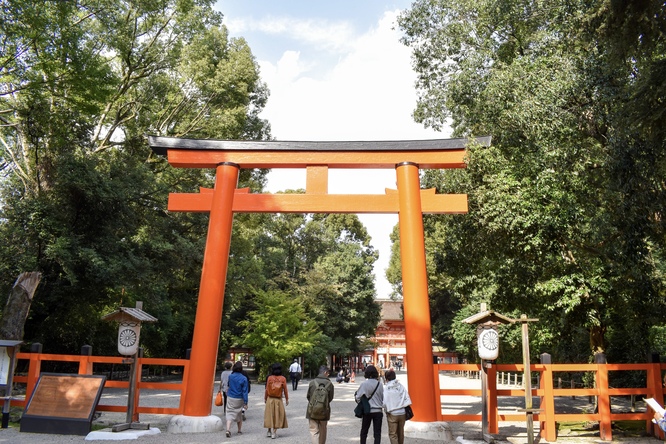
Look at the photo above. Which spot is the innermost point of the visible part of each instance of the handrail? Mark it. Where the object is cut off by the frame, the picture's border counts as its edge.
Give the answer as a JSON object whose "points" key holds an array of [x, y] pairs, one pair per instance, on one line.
{"points": [[548, 392], [86, 368]]}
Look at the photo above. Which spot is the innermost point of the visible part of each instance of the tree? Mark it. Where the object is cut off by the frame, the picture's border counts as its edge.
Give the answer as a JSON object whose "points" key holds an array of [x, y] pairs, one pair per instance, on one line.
{"points": [[83, 198], [279, 329], [563, 220]]}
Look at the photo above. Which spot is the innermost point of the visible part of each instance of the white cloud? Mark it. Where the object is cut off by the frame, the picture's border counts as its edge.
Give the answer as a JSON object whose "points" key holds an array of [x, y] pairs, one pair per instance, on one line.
{"points": [[366, 94], [322, 34]]}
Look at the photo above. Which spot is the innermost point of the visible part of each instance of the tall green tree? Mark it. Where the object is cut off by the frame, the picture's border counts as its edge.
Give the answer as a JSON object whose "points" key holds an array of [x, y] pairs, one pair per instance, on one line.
{"points": [[565, 206], [83, 199], [279, 329]]}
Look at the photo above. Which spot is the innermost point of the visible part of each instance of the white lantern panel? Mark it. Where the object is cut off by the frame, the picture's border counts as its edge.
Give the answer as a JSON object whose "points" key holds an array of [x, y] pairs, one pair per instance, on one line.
{"points": [[128, 338], [488, 343]]}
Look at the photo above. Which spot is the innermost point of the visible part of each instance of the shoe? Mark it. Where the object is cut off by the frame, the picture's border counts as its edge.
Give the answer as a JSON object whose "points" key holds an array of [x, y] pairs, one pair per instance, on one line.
{"points": [[240, 433], [268, 434], [273, 435], [228, 434]]}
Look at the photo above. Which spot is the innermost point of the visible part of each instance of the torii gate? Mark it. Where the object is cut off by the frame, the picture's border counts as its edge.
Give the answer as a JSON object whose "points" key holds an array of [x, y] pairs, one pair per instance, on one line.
{"points": [[409, 201]]}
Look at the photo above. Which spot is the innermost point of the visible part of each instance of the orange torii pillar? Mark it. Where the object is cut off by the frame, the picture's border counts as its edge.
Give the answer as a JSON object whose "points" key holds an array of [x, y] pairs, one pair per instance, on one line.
{"points": [[418, 335], [203, 357]]}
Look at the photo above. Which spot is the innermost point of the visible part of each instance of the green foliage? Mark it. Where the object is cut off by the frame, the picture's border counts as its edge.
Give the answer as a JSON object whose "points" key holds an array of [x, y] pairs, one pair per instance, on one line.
{"points": [[565, 220], [83, 199], [279, 329]]}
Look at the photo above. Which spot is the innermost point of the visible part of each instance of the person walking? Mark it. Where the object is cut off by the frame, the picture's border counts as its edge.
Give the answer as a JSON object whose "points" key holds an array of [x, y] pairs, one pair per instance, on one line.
{"points": [[396, 399], [237, 397], [275, 416], [249, 389], [295, 374], [224, 382], [373, 389], [320, 394]]}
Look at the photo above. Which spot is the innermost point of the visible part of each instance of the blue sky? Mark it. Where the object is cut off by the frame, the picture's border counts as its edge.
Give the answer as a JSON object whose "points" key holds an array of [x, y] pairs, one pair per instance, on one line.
{"points": [[336, 71]]}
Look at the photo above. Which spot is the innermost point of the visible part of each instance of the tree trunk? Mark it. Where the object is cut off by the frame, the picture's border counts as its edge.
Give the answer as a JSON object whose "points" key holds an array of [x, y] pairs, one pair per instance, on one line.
{"points": [[16, 311], [598, 339]]}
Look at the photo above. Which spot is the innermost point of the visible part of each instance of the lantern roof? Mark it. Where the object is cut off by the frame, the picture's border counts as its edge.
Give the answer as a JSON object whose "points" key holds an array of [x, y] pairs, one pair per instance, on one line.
{"points": [[129, 314], [489, 316], [9, 343]]}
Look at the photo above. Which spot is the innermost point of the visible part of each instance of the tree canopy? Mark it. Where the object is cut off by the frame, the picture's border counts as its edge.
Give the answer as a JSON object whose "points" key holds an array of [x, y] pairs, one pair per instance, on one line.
{"points": [[83, 199], [566, 207]]}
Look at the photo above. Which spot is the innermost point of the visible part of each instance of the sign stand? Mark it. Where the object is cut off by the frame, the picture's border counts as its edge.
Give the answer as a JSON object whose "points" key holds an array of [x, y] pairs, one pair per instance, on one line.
{"points": [[7, 364]]}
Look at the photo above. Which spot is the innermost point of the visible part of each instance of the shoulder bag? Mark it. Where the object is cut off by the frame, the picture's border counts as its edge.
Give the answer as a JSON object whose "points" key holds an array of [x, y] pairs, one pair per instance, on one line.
{"points": [[363, 405], [218, 398]]}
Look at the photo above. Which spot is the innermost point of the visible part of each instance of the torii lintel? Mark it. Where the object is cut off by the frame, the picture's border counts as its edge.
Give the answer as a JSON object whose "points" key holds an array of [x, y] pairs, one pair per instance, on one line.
{"points": [[427, 154], [316, 157]]}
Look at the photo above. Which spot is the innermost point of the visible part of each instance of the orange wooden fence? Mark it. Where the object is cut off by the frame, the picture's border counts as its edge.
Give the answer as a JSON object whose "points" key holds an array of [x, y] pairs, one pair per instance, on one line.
{"points": [[86, 364], [548, 392]]}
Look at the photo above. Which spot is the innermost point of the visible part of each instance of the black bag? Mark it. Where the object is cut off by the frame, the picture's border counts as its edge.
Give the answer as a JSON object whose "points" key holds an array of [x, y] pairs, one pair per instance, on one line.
{"points": [[409, 414], [362, 408], [363, 405]]}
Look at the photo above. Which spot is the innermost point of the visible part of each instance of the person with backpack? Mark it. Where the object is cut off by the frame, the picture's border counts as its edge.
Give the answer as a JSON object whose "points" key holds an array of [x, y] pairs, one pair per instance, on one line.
{"points": [[320, 394], [275, 416], [373, 390]]}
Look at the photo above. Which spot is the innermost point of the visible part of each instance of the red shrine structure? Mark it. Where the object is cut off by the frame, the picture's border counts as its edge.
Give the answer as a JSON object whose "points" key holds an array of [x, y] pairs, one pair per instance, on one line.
{"points": [[409, 201]]}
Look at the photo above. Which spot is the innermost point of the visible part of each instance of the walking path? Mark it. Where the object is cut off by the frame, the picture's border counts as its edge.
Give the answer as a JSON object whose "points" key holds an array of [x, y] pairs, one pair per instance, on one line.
{"points": [[343, 428]]}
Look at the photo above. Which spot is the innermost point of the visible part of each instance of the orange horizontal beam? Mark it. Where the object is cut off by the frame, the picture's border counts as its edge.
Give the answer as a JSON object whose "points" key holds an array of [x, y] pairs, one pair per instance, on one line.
{"points": [[319, 203], [460, 392], [302, 159]]}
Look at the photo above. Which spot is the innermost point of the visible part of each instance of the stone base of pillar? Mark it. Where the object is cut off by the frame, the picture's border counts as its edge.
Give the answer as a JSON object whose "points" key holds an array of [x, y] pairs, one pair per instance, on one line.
{"points": [[432, 431], [195, 424]]}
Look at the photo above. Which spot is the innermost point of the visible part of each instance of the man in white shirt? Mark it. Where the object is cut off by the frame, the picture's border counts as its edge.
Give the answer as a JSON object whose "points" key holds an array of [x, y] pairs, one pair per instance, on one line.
{"points": [[295, 374]]}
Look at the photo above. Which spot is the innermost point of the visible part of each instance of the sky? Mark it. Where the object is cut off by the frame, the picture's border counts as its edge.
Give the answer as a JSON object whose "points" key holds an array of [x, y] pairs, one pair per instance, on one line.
{"points": [[336, 70]]}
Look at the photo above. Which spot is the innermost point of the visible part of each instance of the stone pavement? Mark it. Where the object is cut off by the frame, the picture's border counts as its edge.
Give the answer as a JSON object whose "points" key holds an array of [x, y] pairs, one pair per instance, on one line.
{"points": [[342, 428]]}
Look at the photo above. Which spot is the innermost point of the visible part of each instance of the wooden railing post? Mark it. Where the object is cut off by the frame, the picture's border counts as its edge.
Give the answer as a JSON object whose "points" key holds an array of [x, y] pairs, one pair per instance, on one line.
{"points": [[603, 399], [34, 368], [438, 394], [655, 390], [547, 401], [85, 366]]}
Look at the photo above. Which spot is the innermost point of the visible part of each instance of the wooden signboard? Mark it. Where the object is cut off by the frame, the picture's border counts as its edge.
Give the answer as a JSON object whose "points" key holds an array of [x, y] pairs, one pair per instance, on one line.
{"points": [[63, 404]]}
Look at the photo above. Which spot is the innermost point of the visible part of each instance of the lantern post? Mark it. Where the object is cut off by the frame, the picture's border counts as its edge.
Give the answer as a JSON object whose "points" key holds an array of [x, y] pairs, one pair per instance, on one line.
{"points": [[129, 329], [527, 378], [486, 322]]}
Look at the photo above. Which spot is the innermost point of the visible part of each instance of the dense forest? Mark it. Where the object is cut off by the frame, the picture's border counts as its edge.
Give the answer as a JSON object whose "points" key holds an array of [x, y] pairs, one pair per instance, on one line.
{"points": [[566, 220], [566, 206], [83, 198]]}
